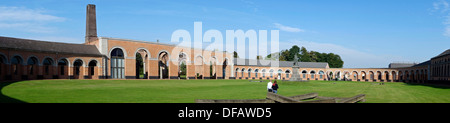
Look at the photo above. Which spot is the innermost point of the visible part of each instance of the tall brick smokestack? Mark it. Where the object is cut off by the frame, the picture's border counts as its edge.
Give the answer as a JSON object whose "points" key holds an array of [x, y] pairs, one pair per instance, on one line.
{"points": [[91, 24]]}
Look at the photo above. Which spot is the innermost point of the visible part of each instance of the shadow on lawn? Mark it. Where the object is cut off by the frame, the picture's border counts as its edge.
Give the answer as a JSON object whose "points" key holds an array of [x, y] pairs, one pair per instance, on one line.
{"points": [[440, 86], [7, 99]]}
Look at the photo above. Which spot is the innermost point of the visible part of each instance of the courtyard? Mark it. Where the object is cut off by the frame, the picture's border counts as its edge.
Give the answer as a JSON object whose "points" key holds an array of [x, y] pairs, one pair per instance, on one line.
{"points": [[186, 91]]}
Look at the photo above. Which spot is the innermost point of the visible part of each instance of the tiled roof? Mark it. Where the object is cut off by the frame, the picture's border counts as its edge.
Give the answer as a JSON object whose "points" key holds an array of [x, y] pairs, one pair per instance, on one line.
{"points": [[45, 46], [401, 65], [447, 52]]}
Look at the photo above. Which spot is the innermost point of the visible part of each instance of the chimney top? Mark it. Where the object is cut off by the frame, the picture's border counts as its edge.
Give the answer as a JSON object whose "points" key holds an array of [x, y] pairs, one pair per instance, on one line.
{"points": [[91, 24]]}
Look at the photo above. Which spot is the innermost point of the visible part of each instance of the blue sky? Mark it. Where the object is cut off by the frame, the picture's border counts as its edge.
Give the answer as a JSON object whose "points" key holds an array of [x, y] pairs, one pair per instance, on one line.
{"points": [[365, 33]]}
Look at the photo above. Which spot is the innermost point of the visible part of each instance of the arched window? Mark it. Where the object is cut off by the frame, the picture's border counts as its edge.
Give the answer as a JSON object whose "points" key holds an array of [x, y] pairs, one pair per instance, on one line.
{"points": [[32, 62], [77, 66], [236, 72], [313, 73], [304, 73], [287, 73], [242, 72], [256, 73], [16, 61], [92, 64], [62, 64], [249, 73], [2, 61], [47, 63], [117, 64], [263, 72], [271, 73], [321, 74]]}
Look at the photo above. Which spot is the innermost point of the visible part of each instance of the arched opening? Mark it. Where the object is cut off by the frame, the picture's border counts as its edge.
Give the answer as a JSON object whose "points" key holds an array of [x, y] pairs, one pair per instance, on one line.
{"points": [[78, 68], [355, 76], [321, 73], [304, 72], [379, 76], [330, 75], [313, 75], [271, 73], [212, 68], [279, 74], [249, 72], [141, 63], [117, 64], [256, 73], [236, 73], [338, 75], [224, 68], [199, 67], [2, 67], [346, 76], [63, 68], [363, 75], [371, 74], [288, 72], [263, 73], [242, 72], [16, 66], [48, 62], [417, 74], [422, 75], [92, 73], [32, 67], [182, 66], [394, 76], [407, 75], [163, 68], [386, 76]]}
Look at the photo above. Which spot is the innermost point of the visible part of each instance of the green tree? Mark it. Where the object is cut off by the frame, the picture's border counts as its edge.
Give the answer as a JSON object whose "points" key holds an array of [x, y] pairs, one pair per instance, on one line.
{"points": [[235, 54], [139, 66], [295, 50], [259, 57], [183, 68], [333, 60], [305, 56]]}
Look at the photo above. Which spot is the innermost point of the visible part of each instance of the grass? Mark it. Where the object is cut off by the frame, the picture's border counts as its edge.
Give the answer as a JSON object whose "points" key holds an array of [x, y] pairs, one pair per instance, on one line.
{"points": [[186, 91]]}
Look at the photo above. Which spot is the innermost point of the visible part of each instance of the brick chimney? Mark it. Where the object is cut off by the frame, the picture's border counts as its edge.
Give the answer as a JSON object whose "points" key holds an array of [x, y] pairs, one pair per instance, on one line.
{"points": [[91, 25]]}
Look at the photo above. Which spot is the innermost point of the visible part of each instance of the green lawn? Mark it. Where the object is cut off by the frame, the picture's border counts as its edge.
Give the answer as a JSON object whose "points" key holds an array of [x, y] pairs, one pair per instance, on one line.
{"points": [[186, 91]]}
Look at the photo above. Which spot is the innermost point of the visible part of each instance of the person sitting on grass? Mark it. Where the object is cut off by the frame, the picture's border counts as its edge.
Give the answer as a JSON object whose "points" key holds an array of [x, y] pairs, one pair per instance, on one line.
{"points": [[269, 86], [275, 87]]}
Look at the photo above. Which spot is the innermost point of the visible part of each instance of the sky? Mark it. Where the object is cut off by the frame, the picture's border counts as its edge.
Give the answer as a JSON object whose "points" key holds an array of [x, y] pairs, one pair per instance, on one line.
{"points": [[365, 33]]}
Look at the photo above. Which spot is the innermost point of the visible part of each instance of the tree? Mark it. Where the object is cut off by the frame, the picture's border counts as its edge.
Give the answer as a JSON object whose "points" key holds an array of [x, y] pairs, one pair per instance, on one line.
{"points": [[284, 56], [259, 57], [305, 56], [333, 60], [235, 54], [295, 50], [183, 68]]}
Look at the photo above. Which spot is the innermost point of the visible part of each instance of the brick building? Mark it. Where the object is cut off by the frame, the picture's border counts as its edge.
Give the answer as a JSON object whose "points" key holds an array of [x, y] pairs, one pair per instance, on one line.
{"points": [[113, 58]]}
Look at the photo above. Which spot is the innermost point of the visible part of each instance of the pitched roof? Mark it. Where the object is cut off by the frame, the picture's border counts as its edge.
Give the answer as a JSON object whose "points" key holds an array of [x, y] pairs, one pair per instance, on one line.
{"points": [[45, 46], [269, 63], [401, 65], [447, 52]]}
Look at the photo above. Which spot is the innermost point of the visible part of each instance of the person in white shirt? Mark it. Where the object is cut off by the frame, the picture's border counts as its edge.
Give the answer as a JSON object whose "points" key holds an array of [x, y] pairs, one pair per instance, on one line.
{"points": [[269, 86]]}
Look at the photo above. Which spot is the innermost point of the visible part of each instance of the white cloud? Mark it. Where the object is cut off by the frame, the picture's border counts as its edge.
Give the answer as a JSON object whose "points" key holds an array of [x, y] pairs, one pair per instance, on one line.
{"points": [[287, 28], [28, 20], [444, 7], [441, 5], [447, 31]]}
